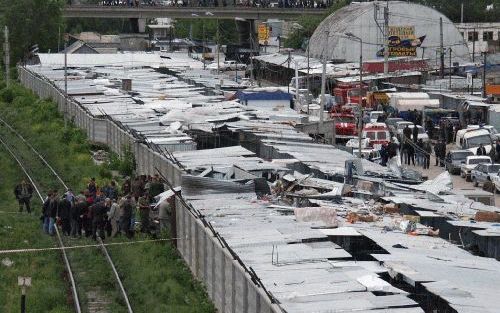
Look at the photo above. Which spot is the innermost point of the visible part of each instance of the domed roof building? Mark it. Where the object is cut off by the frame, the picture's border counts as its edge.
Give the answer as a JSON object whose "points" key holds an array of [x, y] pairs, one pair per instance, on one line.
{"points": [[413, 31]]}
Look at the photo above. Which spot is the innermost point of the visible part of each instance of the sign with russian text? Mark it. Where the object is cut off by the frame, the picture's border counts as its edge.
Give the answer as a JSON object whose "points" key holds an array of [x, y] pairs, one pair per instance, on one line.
{"points": [[402, 42]]}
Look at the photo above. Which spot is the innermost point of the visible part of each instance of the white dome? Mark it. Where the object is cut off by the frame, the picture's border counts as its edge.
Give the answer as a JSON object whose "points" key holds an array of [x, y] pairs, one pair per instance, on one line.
{"points": [[359, 19]]}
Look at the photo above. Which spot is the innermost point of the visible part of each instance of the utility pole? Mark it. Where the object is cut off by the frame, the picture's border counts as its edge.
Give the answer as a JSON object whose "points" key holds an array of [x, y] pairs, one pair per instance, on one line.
{"points": [[474, 46], [360, 122], [289, 59], [386, 40], [6, 50], [323, 87], [23, 282], [65, 81], [449, 70], [484, 74], [441, 48], [218, 49], [462, 13], [203, 50]]}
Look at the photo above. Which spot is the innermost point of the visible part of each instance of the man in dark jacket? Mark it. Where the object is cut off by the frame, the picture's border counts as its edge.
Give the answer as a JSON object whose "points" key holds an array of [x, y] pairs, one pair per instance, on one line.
{"points": [[156, 187], [407, 132], [75, 216], [481, 150], [23, 193], [50, 211], [414, 133], [126, 208], [427, 154], [99, 214], [64, 215]]}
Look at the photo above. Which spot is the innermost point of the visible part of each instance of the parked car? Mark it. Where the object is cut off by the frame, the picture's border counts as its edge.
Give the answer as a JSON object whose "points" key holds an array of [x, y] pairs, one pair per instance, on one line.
{"points": [[496, 181], [454, 160], [470, 163], [391, 124], [400, 126], [374, 115], [483, 173], [233, 65]]}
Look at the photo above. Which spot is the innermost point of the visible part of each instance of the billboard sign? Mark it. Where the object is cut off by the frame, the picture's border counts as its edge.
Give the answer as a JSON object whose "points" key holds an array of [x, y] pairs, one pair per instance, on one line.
{"points": [[263, 33], [402, 42]]}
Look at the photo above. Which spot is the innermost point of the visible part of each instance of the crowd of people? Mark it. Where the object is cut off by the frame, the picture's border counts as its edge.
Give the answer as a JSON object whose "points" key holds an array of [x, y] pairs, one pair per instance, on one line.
{"points": [[99, 211]]}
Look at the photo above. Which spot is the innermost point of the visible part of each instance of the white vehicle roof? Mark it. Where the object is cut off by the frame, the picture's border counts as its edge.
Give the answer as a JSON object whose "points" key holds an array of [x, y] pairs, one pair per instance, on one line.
{"points": [[479, 157], [476, 132]]}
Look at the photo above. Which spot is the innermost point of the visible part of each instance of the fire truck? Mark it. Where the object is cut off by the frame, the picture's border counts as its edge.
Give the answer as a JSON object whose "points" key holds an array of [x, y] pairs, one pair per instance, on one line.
{"points": [[345, 123], [346, 93]]}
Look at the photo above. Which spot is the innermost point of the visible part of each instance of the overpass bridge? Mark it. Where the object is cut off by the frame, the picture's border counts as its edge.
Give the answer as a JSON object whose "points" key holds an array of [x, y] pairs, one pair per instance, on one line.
{"points": [[228, 12]]}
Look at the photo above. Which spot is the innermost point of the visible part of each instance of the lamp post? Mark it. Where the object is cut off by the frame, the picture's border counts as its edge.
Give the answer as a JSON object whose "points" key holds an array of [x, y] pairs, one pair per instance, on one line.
{"points": [[360, 122]]}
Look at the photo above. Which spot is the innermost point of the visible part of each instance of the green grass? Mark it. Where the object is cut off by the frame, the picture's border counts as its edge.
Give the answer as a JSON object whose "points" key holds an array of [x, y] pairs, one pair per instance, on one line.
{"points": [[49, 290], [154, 275]]}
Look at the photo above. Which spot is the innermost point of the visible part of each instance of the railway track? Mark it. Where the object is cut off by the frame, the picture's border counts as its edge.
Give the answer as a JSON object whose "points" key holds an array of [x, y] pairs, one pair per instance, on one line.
{"points": [[94, 303]]}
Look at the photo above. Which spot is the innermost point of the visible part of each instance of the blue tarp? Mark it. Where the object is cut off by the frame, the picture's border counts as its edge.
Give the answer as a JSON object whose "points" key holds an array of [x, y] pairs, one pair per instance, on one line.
{"points": [[263, 95]]}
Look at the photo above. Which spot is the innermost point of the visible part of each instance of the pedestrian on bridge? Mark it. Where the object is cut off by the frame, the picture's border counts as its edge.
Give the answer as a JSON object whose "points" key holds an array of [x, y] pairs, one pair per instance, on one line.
{"points": [[23, 193]]}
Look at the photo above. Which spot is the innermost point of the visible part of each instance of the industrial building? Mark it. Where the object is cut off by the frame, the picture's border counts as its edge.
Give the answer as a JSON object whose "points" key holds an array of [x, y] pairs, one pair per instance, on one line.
{"points": [[413, 30]]}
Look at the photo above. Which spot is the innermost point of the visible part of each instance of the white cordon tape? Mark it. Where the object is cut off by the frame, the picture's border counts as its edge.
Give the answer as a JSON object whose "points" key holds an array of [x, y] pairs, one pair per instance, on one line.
{"points": [[83, 246]]}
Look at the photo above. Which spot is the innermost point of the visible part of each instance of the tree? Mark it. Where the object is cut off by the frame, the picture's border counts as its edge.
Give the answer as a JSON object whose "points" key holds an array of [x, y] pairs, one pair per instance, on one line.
{"points": [[32, 22]]}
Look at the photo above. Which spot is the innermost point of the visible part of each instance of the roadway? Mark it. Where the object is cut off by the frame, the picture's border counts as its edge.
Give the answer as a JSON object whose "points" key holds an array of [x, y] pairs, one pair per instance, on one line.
{"points": [[250, 13]]}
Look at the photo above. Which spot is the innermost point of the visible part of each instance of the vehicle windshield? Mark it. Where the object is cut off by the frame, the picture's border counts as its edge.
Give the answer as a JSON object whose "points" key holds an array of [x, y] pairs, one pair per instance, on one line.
{"points": [[475, 141], [477, 161], [461, 155], [371, 135], [401, 126], [494, 168], [344, 119], [393, 121]]}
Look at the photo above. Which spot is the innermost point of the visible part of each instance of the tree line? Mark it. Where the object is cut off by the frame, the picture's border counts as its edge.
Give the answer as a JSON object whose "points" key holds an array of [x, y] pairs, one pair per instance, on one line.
{"points": [[41, 22]]}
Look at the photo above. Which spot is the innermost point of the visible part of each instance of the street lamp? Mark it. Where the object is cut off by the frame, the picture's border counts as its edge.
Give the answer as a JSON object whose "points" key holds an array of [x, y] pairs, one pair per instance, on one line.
{"points": [[360, 122]]}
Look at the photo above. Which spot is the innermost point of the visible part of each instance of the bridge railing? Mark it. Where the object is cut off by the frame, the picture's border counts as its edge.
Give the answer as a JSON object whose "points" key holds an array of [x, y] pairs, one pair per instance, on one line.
{"points": [[290, 4]]}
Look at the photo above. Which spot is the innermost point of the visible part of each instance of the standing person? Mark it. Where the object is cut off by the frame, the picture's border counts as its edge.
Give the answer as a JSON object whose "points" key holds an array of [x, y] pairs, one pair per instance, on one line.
{"points": [[114, 218], [92, 187], [384, 155], [86, 216], [74, 216], [427, 154], [429, 127], [156, 187], [410, 154], [437, 152], [442, 155], [420, 152], [64, 215], [50, 213], [46, 212], [137, 188], [111, 191], [414, 132], [144, 207], [99, 212], [126, 214], [23, 193], [481, 150], [126, 187], [497, 150]]}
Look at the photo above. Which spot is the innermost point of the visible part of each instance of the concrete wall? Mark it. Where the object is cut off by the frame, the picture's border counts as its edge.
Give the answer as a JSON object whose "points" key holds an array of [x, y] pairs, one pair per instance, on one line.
{"points": [[229, 283]]}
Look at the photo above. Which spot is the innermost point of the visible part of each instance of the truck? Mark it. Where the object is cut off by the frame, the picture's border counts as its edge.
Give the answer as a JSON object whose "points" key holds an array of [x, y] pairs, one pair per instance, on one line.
{"points": [[378, 133], [345, 124], [347, 93], [470, 139]]}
